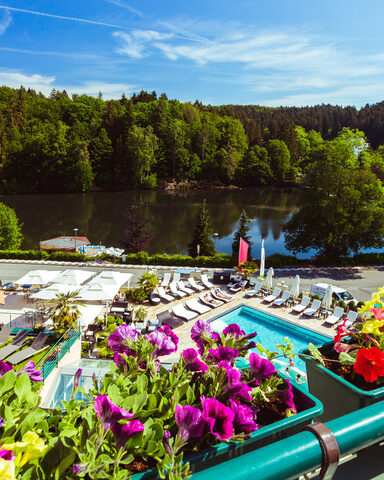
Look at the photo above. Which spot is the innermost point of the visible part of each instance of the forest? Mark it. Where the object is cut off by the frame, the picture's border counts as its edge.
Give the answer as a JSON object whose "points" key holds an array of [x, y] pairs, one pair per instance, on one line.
{"points": [[81, 143]]}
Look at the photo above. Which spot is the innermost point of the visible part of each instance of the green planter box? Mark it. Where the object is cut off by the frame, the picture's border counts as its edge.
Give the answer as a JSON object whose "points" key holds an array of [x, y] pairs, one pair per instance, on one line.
{"points": [[337, 395], [307, 406]]}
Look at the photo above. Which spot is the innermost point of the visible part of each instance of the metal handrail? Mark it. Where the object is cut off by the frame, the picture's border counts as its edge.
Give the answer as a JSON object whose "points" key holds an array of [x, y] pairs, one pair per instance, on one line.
{"points": [[54, 346]]}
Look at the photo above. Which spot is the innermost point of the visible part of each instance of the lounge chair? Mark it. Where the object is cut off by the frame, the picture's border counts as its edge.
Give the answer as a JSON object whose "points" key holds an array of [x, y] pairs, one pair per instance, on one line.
{"points": [[17, 343], [207, 299], [176, 277], [164, 296], [166, 280], [351, 318], [175, 291], [166, 318], [239, 286], [255, 291], [37, 345], [184, 289], [271, 298], [314, 308], [335, 317], [283, 299], [222, 296], [197, 306], [180, 311], [206, 282], [194, 285], [5, 332], [302, 306]]}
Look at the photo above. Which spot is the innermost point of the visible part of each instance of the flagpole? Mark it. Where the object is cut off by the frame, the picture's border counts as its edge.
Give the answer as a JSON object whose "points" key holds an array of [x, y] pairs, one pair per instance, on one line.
{"points": [[262, 260]]}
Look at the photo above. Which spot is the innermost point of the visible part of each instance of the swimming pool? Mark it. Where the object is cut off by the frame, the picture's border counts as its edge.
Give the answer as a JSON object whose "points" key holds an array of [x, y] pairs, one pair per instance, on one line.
{"points": [[270, 331]]}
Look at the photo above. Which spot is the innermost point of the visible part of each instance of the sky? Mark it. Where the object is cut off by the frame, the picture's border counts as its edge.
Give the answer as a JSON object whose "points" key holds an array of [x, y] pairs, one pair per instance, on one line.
{"points": [[272, 53]]}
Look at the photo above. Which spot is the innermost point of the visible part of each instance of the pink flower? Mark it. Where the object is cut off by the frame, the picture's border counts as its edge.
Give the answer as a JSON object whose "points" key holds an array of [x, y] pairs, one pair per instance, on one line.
{"points": [[108, 412], [118, 340], [225, 354], [218, 417], [370, 363], [378, 313], [261, 368], [189, 421], [192, 362], [243, 416], [286, 395]]}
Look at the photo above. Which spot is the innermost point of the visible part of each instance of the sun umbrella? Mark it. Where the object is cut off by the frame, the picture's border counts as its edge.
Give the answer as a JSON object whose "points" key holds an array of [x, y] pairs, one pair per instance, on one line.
{"points": [[268, 278], [295, 289], [53, 290], [95, 291], [262, 260], [73, 277], [327, 300], [111, 278], [37, 277]]}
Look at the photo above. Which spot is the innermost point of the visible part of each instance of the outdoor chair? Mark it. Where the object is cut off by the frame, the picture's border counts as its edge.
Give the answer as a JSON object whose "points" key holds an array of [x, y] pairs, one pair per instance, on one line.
{"points": [[351, 318], [180, 311], [164, 296], [255, 291], [206, 282], [197, 306], [207, 299], [17, 343], [174, 290], [166, 318], [283, 299], [176, 277], [184, 289], [302, 306], [166, 279], [5, 333], [314, 308], [37, 345], [335, 317], [222, 296], [194, 285], [271, 298]]}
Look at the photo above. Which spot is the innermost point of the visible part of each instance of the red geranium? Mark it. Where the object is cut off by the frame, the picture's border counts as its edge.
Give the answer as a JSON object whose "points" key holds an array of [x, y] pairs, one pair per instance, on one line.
{"points": [[370, 363]]}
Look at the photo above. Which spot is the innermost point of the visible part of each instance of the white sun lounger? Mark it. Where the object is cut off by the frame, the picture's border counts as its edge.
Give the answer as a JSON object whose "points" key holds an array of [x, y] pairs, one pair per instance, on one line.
{"points": [[335, 317], [270, 298], [176, 277], [351, 318], [207, 299], [255, 291], [315, 306], [194, 285], [184, 289], [166, 280], [164, 296], [173, 288], [180, 311], [283, 299], [302, 306], [222, 296], [206, 282], [197, 306]]}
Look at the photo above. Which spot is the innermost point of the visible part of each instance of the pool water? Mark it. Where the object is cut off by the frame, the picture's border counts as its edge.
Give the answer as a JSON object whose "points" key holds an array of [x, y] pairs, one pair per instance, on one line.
{"points": [[271, 331]]}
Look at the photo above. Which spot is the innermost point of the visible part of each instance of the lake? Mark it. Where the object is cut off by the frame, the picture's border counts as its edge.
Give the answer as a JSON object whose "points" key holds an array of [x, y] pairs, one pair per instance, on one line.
{"points": [[99, 216]]}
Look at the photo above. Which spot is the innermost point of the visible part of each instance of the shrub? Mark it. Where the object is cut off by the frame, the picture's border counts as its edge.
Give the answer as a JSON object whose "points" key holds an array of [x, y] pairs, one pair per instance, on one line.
{"points": [[342, 304], [139, 295], [85, 348], [140, 314], [148, 281]]}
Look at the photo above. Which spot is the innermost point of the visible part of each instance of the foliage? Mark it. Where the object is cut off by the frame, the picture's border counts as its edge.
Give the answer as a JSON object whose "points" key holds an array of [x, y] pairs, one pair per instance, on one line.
{"points": [[148, 281], [65, 312], [247, 268], [139, 295], [241, 232], [136, 234], [10, 228], [140, 314], [202, 243]]}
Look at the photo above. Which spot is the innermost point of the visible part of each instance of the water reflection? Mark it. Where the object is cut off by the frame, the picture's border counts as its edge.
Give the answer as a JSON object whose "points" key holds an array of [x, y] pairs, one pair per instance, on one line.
{"points": [[100, 216]]}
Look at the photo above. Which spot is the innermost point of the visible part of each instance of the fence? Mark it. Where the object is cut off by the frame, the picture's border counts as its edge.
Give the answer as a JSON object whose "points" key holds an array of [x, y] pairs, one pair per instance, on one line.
{"points": [[57, 352]]}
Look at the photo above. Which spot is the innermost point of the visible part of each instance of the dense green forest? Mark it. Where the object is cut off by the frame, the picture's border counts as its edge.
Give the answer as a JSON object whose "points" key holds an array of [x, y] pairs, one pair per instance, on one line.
{"points": [[63, 144]]}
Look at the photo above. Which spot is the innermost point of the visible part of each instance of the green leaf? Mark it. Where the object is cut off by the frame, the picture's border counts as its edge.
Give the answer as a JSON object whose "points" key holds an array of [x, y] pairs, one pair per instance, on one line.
{"points": [[316, 353], [7, 381], [142, 383], [31, 420], [23, 387], [346, 359], [190, 395]]}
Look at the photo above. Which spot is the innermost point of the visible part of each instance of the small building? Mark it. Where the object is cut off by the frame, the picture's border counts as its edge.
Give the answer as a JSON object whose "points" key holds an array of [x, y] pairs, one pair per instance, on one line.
{"points": [[64, 244]]}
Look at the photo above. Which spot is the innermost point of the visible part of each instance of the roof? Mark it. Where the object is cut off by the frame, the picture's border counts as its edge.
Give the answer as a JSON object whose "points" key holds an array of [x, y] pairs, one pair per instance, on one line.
{"points": [[64, 243]]}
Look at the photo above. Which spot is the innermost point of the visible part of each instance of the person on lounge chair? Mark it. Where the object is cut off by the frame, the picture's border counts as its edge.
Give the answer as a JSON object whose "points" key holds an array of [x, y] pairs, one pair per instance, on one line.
{"points": [[211, 301]]}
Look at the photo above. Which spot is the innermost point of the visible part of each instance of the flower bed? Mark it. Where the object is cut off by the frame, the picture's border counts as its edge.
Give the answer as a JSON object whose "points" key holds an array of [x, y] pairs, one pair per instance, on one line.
{"points": [[145, 417]]}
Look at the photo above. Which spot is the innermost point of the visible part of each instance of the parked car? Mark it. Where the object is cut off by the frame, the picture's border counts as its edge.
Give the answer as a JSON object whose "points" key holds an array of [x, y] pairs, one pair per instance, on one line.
{"points": [[338, 293]]}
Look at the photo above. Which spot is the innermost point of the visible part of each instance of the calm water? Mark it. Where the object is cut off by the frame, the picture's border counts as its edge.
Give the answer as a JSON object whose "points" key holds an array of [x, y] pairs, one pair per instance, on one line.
{"points": [[100, 216]]}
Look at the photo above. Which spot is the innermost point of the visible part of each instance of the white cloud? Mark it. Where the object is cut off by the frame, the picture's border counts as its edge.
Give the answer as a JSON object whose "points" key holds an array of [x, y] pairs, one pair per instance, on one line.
{"points": [[5, 21], [121, 4], [137, 43]]}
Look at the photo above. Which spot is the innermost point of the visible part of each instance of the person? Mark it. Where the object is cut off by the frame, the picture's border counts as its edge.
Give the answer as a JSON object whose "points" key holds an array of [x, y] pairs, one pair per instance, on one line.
{"points": [[215, 303], [219, 294], [235, 282]]}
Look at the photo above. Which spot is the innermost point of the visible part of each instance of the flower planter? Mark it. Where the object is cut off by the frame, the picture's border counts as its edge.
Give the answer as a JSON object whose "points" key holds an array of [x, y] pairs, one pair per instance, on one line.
{"points": [[307, 406], [337, 395]]}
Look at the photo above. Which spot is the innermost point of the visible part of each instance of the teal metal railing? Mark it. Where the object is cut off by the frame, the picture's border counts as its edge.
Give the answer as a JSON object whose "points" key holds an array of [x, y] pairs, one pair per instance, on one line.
{"points": [[302, 453], [57, 352]]}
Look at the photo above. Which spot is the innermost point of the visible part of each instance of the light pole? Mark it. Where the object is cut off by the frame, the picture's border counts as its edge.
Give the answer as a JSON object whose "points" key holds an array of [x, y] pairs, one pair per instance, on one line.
{"points": [[215, 236], [75, 230]]}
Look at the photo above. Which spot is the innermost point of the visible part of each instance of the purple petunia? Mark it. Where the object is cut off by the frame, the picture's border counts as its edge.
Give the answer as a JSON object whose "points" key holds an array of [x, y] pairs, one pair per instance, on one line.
{"points": [[261, 368], [118, 340], [199, 328], [233, 330], [218, 417], [243, 416], [2, 422], [4, 368], [7, 454], [118, 359], [233, 385], [123, 431], [165, 343], [190, 422], [168, 331], [34, 375], [225, 354], [108, 412], [286, 396], [192, 362]]}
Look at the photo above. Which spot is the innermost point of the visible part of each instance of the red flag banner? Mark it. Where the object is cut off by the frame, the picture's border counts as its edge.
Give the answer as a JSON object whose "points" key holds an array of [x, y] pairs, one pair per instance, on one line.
{"points": [[243, 251]]}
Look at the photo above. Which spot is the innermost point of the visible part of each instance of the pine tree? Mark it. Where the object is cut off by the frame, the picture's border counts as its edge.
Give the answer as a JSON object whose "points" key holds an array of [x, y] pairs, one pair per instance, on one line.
{"points": [[136, 235], [202, 243], [242, 232]]}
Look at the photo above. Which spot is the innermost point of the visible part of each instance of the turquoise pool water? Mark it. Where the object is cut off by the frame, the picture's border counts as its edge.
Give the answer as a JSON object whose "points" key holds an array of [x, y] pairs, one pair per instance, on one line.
{"points": [[271, 331]]}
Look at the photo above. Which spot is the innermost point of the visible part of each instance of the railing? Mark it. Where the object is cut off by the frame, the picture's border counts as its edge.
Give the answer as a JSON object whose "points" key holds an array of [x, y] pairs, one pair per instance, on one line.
{"points": [[57, 352]]}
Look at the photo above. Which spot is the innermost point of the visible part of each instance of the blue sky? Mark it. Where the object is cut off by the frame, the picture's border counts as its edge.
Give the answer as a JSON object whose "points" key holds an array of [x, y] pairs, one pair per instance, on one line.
{"points": [[276, 52]]}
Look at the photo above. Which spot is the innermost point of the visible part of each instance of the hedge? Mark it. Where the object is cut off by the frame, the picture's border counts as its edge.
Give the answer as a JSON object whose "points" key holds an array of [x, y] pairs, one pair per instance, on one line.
{"points": [[223, 260]]}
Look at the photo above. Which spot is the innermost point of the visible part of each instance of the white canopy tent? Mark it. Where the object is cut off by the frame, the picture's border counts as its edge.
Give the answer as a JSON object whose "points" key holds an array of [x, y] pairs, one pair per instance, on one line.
{"points": [[73, 277], [53, 290], [37, 277], [112, 278], [95, 291]]}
